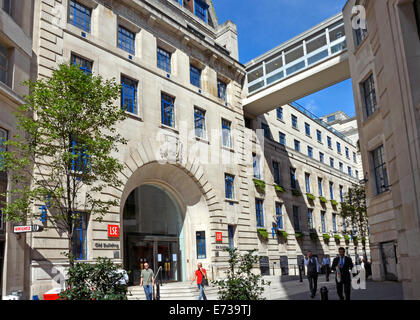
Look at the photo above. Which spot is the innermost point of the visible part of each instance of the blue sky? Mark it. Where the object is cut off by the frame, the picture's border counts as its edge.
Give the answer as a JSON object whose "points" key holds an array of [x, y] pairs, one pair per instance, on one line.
{"points": [[264, 24]]}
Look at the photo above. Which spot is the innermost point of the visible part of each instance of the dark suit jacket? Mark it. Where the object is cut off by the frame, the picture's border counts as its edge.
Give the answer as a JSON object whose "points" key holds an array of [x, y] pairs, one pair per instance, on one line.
{"points": [[345, 271]]}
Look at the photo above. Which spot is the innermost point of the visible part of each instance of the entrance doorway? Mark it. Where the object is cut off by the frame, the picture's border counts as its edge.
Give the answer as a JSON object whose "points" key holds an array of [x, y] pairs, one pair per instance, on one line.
{"points": [[153, 234], [389, 260]]}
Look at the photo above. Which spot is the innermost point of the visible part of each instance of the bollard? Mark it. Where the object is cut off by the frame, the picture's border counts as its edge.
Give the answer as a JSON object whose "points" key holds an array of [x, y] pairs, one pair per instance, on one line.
{"points": [[324, 293]]}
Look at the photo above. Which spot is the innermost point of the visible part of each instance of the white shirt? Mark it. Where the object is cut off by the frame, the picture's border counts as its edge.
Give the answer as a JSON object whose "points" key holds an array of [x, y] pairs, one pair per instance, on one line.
{"points": [[316, 262]]}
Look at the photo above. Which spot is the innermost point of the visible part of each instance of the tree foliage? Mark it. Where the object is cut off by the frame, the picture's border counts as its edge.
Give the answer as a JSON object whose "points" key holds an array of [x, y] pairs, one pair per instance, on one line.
{"points": [[354, 210], [241, 283], [62, 153]]}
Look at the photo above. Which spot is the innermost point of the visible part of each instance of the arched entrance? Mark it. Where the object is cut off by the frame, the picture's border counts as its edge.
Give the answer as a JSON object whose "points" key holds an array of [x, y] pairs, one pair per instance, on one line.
{"points": [[153, 232]]}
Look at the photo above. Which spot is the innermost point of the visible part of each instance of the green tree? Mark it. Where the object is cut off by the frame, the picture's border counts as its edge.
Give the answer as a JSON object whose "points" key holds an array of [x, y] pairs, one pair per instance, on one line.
{"points": [[241, 283], [62, 153], [353, 209]]}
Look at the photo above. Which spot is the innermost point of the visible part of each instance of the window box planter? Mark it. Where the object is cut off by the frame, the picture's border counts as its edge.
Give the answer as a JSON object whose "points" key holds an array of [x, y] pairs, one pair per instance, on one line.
{"points": [[337, 237], [355, 239], [279, 188], [296, 193], [326, 236], [263, 233], [260, 185], [323, 200], [310, 196], [347, 238], [283, 233], [363, 240], [314, 236], [334, 203], [299, 235]]}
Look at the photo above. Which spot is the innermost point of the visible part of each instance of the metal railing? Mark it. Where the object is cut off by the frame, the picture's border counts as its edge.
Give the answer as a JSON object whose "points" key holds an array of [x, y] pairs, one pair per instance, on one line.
{"points": [[158, 283]]}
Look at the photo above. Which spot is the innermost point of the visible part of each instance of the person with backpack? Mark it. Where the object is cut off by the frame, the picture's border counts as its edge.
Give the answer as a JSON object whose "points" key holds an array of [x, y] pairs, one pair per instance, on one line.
{"points": [[201, 276]]}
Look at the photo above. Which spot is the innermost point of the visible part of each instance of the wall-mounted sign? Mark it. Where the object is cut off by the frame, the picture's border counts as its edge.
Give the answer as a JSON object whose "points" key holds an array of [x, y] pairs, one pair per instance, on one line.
{"points": [[113, 231], [218, 236], [21, 229], [107, 245]]}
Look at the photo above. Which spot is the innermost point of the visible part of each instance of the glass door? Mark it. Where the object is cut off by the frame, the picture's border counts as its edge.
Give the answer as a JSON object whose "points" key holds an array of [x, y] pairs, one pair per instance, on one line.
{"points": [[167, 259], [139, 253]]}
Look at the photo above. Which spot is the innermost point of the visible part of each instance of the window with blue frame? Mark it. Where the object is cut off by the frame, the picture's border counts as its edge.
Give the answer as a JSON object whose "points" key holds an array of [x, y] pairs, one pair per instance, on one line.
{"points": [[344, 224], [338, 147], [129, 95], [282, 138], [341, 194], [83, 64], [308, 182], [229, 186], [369, 96], [293, 183], [319, 135], [256, 166], [164, 60], [80, 16], [279, 111], [80, 235], [168, 110], [310, 152], [231, 236], [320, 186], [307, 129], [179, 1], [195, 75], [276, 172], [296, 221], [297, 145], [259, 213], [321, 157], [279, 215], [294, 122], [340, 166], [79, 156], [331, 162], [329, 142], [200, 10], [334, 222], [226, 136], [126, 40], [200, 237], [267, 132], [310, 219], [349, 171], [332, 191], [221, 90], [200, 122], [347, 153], [323, 224], [354, 157]]}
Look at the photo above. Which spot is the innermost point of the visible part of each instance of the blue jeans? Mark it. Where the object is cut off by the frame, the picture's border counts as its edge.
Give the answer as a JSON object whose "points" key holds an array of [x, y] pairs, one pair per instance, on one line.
{"points": [[148, 291], [202, 294]]}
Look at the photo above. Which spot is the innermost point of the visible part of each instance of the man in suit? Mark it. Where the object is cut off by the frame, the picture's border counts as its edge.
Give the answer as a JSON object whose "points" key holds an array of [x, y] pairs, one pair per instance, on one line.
{"points": [[312, 266], [326, 265], [342, 266]]}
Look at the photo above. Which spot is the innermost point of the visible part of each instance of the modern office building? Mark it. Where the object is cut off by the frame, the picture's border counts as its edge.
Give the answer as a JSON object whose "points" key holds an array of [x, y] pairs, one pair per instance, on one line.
{"points": [[344, 124], [384, 62]]}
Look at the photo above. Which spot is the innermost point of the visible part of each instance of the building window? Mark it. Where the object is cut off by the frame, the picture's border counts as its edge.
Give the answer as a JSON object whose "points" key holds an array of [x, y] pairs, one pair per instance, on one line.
{"points": [[294, 122], [359, 35], [80, 157], [344, 225], [84, 65], [195, 75], [179, 1], [310, 152], [256, 166], [332, 190], [259, 212], [80, 236], [349, 171], [331, 118], [221, 90], [307, 129], [293, 184], [126, 40], [200, 237], [200, 123], [3, 138], [347, 153], [297, 145], [296, 221], [369, 96], [7, 6], [323, 225], [4, 59], [80, 16], [329, 142], [357, 174], [276, 172], [279, 113], [168, 110], [331, 162], [226, 137], [310, 219], [340, 166], [129, 95], [334, 222], [282, 138], [321, 157], [279, 215], [200, 10], [354, 157], [417, 14], [231, 237], [308, 182], [319, 135], [381, 175], [338, 147], [229, 186], [266, 128], [341, 194], [320, 186], [164, 60]]}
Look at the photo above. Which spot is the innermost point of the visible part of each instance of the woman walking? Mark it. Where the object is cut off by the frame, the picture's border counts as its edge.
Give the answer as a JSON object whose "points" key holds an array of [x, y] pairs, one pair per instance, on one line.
{"points": [[200, 274]]}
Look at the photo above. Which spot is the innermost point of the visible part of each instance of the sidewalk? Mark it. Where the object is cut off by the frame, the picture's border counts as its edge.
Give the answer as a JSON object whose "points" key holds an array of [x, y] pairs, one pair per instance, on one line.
{"points": [[295, 290]]}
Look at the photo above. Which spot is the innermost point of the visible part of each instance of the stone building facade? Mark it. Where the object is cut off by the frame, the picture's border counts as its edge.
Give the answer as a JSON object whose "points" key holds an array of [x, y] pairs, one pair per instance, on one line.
{"points": [[385, 69]]}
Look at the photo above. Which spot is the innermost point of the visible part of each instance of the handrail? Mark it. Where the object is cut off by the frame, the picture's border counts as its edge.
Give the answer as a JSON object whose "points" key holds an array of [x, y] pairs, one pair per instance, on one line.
{"points": [[157, 284]]}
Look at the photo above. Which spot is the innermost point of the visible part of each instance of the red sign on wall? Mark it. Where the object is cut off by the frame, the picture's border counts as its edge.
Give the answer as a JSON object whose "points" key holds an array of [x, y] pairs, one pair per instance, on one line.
{"points": [[113, 231], [218, 236]]}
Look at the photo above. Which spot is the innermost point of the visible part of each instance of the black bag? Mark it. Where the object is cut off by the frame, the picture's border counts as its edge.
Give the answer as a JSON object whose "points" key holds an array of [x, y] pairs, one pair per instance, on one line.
{"points": [[204, 281]]}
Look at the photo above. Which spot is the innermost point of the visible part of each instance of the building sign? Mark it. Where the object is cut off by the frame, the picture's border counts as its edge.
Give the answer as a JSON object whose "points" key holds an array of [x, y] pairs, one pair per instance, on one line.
{"points": [[218, 236], [22, 229], [113, 231], [106, 245]]}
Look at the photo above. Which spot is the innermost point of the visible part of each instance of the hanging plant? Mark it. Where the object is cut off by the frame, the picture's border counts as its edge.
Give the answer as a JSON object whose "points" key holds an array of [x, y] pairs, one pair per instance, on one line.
{"points": [[299, 235], [296, 193], [279, 188], [260, 185], [284, 234], [323, 200], [314, 236], [334, 203], [310, 196], [337, 237], [347, 238], [263, 233], [326, 236]]}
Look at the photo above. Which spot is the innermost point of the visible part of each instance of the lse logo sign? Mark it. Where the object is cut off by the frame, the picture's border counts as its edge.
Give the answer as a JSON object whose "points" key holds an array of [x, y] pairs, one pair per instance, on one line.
{"points": [[218, 236], [113, 231]]}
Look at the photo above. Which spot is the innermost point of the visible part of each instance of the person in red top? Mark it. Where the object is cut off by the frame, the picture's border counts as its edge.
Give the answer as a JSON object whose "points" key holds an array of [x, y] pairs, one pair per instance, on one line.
{"points": [[199, 274]]}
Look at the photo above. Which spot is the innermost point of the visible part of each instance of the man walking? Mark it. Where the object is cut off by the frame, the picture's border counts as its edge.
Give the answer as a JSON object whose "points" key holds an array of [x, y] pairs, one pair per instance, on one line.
{"points": [[312, 266], [147, 280], [326, 265], [343, 266], [200, 273]]}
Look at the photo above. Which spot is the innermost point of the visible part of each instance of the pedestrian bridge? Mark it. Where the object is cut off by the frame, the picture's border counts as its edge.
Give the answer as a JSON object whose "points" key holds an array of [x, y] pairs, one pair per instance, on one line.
{"points": [[308, 63]]}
